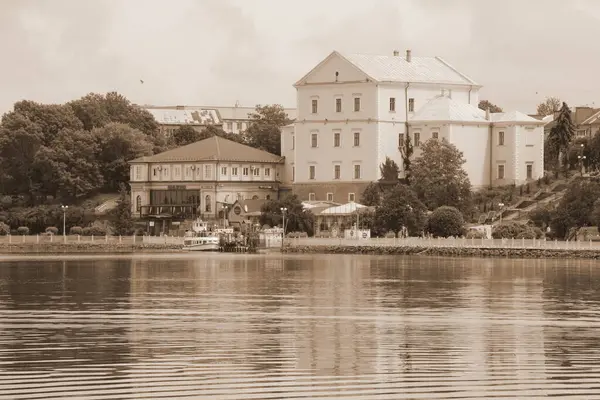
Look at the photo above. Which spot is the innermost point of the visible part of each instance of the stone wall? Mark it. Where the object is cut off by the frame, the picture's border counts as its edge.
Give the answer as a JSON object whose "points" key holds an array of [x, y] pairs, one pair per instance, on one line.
{"points": [[446, 251]]}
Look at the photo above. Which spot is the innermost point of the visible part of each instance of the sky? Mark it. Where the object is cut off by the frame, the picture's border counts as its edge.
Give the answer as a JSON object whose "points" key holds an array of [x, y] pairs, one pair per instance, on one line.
{"points": [[219, 52]]}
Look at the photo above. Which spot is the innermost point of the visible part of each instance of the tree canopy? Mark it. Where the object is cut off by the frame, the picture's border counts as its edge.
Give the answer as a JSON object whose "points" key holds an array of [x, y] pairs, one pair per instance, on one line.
{"points": [[399, 208], [549, 106], [297, 218], [438, 177], [264, 131], [562, 132], [486, 105]]}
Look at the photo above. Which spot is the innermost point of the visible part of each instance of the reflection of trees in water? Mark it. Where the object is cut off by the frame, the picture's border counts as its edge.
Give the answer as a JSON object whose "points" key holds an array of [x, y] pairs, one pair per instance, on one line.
{"points": [[52, 296], [571, 292]]}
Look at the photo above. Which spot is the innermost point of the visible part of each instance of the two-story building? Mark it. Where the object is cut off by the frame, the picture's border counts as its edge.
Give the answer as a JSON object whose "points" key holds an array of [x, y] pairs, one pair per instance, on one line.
{"points": [[353, 109], [201, 180]]}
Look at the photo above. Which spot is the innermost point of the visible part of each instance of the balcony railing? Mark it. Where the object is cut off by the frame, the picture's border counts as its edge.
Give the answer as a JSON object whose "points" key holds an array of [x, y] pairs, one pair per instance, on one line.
{"points": [[178, 211]]}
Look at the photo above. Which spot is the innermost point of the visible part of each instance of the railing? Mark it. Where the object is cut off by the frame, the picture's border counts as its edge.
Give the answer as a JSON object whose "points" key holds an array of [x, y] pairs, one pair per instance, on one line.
{"points": [[174, 210], [450, 243], [41, 239]]}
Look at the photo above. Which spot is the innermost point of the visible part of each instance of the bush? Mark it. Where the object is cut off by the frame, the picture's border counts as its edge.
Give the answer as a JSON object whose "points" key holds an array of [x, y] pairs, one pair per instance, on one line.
{"points": [[52, 230], [475, 234], [23, 230], [446, 221], [94, 230], [4, 229], [76, 230], [390, 235], [515, 230]]}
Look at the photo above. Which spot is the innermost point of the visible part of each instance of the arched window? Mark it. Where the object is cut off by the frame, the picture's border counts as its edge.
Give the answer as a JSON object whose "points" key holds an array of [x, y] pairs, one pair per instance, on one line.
{"points": [[138, 203], [268, 197], [207, 203], [255, 197]]}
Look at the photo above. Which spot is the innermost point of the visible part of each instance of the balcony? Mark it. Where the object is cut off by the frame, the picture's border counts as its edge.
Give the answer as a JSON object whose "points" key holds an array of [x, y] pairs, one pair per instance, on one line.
{"points": [[171, 211]]}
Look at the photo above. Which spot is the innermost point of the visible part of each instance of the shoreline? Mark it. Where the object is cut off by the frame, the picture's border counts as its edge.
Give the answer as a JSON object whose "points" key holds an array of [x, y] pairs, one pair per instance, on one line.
{"points": [[479, 252], [87, 247]]}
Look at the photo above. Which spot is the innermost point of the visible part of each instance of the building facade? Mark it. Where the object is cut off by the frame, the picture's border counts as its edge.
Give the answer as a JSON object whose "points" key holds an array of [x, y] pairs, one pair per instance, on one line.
{"points": [[202, 179], [352, 110], [233, 119]]}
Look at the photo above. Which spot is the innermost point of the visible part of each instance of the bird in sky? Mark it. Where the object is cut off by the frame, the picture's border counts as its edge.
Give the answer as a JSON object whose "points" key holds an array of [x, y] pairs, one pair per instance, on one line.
{"points": [[141, 81]]}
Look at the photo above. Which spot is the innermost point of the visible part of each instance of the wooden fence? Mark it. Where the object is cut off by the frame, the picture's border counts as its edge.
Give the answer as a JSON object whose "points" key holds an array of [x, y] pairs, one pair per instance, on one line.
{"points": [[90, 239]]}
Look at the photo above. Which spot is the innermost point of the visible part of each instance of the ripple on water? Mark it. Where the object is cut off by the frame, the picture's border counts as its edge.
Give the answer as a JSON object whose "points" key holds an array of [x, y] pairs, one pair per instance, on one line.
{"points": [[303, 328]]}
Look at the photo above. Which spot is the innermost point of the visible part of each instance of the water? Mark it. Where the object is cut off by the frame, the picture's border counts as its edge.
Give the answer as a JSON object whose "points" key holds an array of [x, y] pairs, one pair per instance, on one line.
{"points": [[304, 327]]}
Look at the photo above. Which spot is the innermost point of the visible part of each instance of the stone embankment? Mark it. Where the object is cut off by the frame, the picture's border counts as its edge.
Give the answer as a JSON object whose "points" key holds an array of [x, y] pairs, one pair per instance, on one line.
{"points": [[503, 252], [98, 247]]}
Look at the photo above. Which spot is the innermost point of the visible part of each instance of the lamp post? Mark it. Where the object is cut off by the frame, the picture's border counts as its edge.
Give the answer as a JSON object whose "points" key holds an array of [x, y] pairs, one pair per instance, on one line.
{"points": [[581, 158], [224, 215], [64, 210], [501, 205], [283, 211]]}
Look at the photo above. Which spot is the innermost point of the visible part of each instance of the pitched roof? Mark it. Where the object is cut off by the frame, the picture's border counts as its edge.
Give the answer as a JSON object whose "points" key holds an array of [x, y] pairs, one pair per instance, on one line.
{"points": [[398, 69], [443, 108], [592, 120], [344, 209], [515, 116], [185, 117], [250, 205], [213, 149], [224, 112]]}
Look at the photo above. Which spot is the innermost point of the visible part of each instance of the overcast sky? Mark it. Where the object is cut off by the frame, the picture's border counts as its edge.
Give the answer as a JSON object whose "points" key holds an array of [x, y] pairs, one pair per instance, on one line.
{"points": [[214, 52]]}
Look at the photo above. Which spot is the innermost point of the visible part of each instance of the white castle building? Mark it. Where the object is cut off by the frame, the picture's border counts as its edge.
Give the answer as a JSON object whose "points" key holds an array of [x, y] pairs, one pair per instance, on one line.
{"points": [[353, 110]]}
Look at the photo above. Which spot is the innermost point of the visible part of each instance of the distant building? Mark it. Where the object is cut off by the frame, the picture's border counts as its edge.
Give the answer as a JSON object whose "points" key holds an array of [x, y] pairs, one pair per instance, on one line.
{"points": [[233, 119], [354, 109], [200, 180]]}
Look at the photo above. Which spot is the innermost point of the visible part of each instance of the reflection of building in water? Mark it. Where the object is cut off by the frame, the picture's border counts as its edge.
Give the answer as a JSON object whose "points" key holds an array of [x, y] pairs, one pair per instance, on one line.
{"points": [[329, 337]]}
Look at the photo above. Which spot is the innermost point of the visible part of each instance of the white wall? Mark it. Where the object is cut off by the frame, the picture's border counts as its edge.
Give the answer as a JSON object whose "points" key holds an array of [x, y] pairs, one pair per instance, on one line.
{"points": [[473, 141], [288, 144]]}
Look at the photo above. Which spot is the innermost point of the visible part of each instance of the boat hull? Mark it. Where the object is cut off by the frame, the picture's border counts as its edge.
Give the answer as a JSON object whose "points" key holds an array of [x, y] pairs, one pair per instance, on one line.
{"points": [[202, 247]]}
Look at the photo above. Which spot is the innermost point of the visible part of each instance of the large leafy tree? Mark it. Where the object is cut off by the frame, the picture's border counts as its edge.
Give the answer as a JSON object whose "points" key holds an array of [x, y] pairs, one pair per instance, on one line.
{"points": [[185, 135], [562, 133], [298, 219], [389, 171], [399, 208], [374, 192], [119, 143], [549, 106], [264, 131], [438, 176], [576, 208], [486, 105]]}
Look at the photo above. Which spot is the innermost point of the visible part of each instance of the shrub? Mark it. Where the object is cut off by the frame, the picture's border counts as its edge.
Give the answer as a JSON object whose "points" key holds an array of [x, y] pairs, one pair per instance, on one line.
{"points": [[446, 221], [390, 235], [23, 230], [139, 232], [541, 216], [475, 234], [52, 230], [94, 230], [515, 230], [4, 229], [76, 230]]}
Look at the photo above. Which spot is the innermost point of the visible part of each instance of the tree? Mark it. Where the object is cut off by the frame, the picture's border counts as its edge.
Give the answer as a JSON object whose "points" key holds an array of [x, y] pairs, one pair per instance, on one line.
{"points": [[187, 134], [576, 207], [541, 217], [372, 195], [594, 151], [389, 171], [515, 230], [549, 106], [123, 221], [297, 218], [562, 132], [406, 150], [264, 131], [486, 105], [118, 144], [400, 208], [438, 177], [446, 221], [212, 130]]}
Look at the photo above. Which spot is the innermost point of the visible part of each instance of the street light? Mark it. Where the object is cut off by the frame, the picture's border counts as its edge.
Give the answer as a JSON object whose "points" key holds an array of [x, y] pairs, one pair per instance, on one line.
{"points": [[501, 205], [224, 215], [283, 211], [64, 210]]}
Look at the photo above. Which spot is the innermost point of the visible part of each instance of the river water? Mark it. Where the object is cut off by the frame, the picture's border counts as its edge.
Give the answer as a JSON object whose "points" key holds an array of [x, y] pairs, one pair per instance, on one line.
{"points": [[298, 327]]}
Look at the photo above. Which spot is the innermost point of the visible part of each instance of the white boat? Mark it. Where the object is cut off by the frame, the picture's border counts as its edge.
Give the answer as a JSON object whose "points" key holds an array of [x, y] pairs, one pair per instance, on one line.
{"points": [[201, 243]]}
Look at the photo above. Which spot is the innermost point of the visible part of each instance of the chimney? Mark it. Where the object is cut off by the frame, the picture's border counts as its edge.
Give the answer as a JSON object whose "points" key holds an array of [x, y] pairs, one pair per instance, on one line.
{"points": [[396, 53], [487, 114], [408, 56]]}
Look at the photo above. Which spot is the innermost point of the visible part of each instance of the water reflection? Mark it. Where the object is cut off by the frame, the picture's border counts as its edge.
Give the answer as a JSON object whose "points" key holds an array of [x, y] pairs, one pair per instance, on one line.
{"points": [[257, 327]]}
